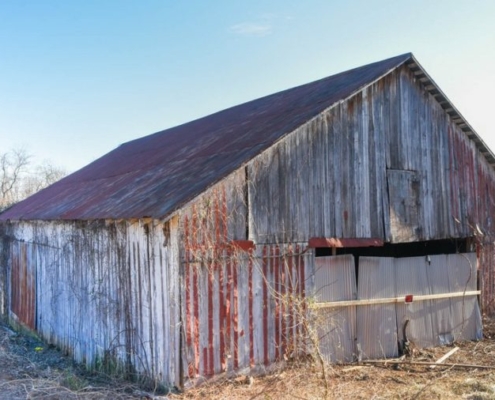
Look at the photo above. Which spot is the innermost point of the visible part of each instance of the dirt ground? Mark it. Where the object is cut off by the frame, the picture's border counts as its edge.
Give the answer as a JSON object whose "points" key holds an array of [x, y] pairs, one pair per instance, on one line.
{"points": [[31, 370]]}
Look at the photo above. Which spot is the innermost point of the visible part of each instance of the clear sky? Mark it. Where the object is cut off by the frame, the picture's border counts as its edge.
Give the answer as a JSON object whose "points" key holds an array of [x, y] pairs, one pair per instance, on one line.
{"points": [[80, 77]]}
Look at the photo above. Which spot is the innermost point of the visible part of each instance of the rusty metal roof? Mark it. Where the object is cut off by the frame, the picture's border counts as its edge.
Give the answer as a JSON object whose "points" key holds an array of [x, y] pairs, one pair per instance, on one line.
{"points": [[157, 174]]}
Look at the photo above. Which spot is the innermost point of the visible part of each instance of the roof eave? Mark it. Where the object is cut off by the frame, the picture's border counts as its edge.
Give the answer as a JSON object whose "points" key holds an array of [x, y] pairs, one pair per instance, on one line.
{"points": [[432, 88]]}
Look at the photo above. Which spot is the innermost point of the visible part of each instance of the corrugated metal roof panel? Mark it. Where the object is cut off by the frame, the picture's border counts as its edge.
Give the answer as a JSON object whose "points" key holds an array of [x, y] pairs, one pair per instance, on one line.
{"points": [[155, 175]]}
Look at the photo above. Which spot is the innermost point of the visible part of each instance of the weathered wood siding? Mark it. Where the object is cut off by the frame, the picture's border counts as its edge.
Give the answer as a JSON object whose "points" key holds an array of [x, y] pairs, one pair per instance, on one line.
{"points": [[486, 256], [327, 178], [455, 181], [347, 173], [219, 214], [106, 292], [4, 285]]}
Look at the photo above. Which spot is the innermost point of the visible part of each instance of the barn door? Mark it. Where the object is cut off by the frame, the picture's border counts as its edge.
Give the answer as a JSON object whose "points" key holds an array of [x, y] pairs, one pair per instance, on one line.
{"points": [[405, 205], [23, 284]]}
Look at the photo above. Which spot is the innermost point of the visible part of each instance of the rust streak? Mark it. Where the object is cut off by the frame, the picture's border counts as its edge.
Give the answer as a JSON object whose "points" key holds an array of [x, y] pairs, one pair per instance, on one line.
{"points": [[222, 308], [205, 361], [236, 316], [250, 311], [211, 367], [283, 296], [228, 303], [276, 288], [265, 306], [196, 318], [290, 319]]}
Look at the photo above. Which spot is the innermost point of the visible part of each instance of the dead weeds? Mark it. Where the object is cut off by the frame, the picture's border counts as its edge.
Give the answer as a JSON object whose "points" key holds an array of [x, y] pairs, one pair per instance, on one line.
{"points": [[378, 381], [31, 370]]}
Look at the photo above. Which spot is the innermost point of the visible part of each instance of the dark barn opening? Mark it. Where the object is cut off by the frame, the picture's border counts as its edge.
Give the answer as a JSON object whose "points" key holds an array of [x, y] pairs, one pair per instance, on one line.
{"points": [[399, 250]]}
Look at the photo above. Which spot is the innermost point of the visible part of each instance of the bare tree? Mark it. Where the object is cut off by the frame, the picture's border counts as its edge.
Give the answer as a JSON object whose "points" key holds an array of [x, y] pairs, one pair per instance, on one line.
{"points": [[18, 179], [13, 165], [40, 177]]}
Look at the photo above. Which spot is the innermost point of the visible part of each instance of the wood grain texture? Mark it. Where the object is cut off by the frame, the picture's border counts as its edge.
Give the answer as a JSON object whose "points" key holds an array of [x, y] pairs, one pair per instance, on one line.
{"points": [[106, 292]]}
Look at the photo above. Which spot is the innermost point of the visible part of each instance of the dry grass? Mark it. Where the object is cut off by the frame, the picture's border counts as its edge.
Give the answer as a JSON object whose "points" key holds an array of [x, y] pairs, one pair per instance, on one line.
{"points": [[390, 381], [30, 371]]}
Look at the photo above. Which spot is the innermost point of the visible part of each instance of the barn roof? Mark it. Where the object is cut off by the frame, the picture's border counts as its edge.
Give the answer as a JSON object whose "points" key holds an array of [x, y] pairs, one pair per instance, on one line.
{"points": [[157, 174]]}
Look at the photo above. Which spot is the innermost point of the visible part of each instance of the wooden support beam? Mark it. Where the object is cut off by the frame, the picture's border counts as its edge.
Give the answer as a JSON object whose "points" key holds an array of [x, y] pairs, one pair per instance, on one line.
{"points": [[394, 363], [344, 242], [391, 300]]}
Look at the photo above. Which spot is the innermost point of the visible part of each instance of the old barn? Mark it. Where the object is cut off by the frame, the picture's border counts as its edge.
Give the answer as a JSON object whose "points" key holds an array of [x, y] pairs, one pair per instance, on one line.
{"points": [[363, 199]]}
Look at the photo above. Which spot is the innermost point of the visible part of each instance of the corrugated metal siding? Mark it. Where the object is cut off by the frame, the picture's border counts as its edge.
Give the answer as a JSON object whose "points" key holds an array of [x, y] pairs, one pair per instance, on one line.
{"points": [[373, 331], [108, 293], [412, 278], [23, 283], [438, 270], [436, 322], [242, 308], [462, 272], [376, 324], [335, 279]]}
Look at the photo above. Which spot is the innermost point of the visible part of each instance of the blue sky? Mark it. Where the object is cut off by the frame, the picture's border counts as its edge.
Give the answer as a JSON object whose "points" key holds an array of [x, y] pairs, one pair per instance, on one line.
{"points": [[80, 77]]}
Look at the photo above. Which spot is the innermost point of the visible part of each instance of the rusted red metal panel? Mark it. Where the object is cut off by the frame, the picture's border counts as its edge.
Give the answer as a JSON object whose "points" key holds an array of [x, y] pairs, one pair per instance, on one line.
{"points": [[344, 242], [23, 283], [259, 282], [239, 298]]}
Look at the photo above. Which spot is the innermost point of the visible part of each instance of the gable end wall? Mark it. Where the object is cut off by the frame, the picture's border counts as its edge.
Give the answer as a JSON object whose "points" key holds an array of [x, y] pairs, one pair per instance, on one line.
{"points": [[332, 176]]}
